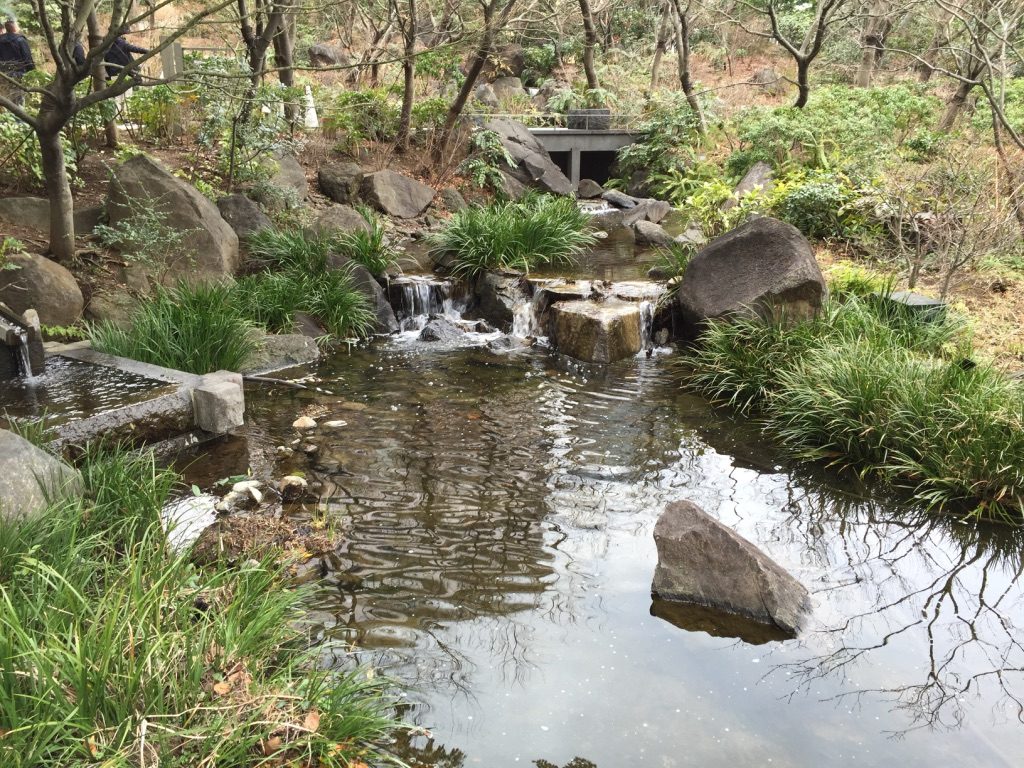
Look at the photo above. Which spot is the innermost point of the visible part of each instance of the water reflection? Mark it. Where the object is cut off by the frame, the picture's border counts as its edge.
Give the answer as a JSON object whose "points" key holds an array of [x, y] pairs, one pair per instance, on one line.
{"points": [[499, 554]]}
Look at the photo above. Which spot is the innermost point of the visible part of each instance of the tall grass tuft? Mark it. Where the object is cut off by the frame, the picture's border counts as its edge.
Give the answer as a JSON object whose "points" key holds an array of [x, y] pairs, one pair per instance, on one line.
{"points": [[872, 387], [523, 235], [117, 651], [195, 328], [295, 249]]}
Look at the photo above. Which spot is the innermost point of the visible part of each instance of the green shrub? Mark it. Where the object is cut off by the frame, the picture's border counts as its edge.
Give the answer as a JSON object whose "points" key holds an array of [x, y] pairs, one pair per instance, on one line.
{"points": [[820, 204], [371, 249], [115, 646], [194, 328], [540, 229], [847, 280], [487, 157], [357, 116], [668, 135]]}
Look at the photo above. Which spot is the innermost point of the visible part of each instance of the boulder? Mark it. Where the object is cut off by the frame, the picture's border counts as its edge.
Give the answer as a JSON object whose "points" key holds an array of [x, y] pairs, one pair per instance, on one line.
{"points": [[282, 350], [43, 285], [340, 181], [533, 165], [702, 561], [371, 289], [588, 188], [243, 215], [289, 176], [508, 60], [339, 220], [508, 88], [769, 80], [30, 478], [607, 221], [114, 307], [212, 252], [218, 402], [759, 177], [596, 332], [396, 194], [511, 188], [764, 268], [496, 296], [648, 233], [653, 211], [486, 96], [327, 55], [619, 199], [453, 200], [34, 212], [440, 328]]}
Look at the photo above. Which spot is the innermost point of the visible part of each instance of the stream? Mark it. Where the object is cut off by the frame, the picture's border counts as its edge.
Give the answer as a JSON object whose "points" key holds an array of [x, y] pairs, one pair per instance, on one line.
{"points": [[498, 513]]}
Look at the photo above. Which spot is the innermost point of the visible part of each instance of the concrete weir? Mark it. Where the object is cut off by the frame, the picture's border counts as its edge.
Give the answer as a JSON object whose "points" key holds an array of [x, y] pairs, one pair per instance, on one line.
{"points": [[579, 150]]}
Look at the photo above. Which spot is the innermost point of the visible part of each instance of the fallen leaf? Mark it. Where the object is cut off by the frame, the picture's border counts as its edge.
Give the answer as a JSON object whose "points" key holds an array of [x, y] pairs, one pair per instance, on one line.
{"points": [[222, 688], [271, 745], [312, 721]]}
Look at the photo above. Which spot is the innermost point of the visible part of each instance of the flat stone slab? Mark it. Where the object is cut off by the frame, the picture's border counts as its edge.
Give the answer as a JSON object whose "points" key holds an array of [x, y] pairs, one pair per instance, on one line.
{"points": [[596, 332]]}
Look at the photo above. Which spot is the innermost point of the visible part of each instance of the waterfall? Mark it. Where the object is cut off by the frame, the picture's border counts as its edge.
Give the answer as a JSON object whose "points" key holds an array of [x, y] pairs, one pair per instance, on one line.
{"points": [[647, 309], [415, 298], [24, 356], [526, 317]]}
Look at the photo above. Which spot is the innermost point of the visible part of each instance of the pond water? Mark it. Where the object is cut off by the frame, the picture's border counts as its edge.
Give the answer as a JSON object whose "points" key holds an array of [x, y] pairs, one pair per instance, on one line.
{"points": [[499, 554]]}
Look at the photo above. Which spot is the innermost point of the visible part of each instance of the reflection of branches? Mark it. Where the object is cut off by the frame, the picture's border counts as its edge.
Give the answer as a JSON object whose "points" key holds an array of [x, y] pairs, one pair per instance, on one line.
{"points": [[958, 611]]}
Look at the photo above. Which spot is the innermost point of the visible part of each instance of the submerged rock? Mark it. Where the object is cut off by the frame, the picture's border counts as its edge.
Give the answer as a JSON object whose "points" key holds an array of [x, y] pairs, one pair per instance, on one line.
{"points": [[495, 297], [702, 561], [30, 478], [764, 268], [440, 328], [649, 233], [596, 332]]}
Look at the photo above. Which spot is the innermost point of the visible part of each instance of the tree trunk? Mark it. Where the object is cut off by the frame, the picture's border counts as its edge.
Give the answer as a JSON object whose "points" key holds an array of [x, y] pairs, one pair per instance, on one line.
{"points": [[99, 77], [58, 189], [955, 105], [876, 29], [409, 73], [284, 60], [590, 43], [682, 26], [803, 83], [660, 45]]}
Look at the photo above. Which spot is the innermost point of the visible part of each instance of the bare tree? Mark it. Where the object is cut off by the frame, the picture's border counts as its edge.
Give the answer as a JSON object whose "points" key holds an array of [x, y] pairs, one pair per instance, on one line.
{"points": [[661, 41], [590, 43], [877, 25], [62, 26], [407, 25], [827, 14], [681, 22]]}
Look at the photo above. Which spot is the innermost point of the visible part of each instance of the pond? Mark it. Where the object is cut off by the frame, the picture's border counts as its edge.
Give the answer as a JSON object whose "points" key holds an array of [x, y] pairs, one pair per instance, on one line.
{"points": [[499, 510]]}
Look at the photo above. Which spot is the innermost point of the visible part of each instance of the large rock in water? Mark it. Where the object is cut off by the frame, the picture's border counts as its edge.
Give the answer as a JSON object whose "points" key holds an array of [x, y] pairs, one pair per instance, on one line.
{"points": [[371, 289], [30, 478], [211, 251], [43, 285], [440, 328], [495, 297], [396, 194], [702, 561], [764, 268], [595, 332], [533, 165]]}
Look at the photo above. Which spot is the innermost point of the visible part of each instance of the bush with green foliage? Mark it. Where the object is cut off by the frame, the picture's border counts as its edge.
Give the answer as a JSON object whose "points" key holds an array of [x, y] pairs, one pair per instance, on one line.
{"points": [[523, 235], [487, 157], [195, 328], [873, 386], [668, 139], [355, 117], [119, 650], [821, 204], [19, 149]]}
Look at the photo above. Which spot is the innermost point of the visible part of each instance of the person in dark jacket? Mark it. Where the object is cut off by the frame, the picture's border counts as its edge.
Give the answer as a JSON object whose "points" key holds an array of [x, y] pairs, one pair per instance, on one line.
{"points": [[120, 55], [15, 61]]}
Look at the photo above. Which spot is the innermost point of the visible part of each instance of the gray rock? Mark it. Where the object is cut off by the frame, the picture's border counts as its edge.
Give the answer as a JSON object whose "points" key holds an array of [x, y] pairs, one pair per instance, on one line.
{"points": [[371, 289], [115, 307], [243, 215], [495, 297], [340, 181], [507, 88], [589, 188], [619, 199], [212, 245], [607, 221], [507, 60], [453, 200], [596, 332], [290, 176], [396, 194], [764, 268], [486, 96], [218, 402], [327, 55], [704, 562], [282, 350], [693, 235], [339, 220], [30, 478], [34, 212], [532, 163], [648, 233], [770, 80], [760, 176], [440, 328], [86, 219], [43, 285], [653, 211], [511, 187]]}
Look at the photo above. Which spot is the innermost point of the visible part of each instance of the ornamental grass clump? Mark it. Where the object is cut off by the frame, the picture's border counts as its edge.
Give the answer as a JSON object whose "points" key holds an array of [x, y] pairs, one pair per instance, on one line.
{"points": [[194, 328], [871, 386], [117, 650], [535, 231]]}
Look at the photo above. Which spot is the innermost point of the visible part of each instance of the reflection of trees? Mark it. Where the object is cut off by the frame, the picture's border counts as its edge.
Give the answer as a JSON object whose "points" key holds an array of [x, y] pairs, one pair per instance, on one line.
{"points": [[932, 583]]}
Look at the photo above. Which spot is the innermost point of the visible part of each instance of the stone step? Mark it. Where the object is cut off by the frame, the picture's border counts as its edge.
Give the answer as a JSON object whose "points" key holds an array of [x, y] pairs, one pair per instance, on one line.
{"points": [[596, 332]]}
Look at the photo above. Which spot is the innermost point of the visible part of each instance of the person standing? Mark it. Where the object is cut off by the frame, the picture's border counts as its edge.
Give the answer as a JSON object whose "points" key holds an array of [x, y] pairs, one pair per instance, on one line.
{"points": [[15, 61], [120, 56]]}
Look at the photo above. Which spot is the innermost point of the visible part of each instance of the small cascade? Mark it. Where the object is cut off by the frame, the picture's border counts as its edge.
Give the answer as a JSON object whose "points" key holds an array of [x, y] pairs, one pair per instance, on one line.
{"points": [[416, 297], [526, 317], [647, 310], [21, 346]]}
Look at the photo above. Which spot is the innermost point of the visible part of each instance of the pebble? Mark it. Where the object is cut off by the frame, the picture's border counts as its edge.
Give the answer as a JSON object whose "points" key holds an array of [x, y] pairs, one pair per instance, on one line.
{"points": [[335, 424], [304, 422], [292, 485]]}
